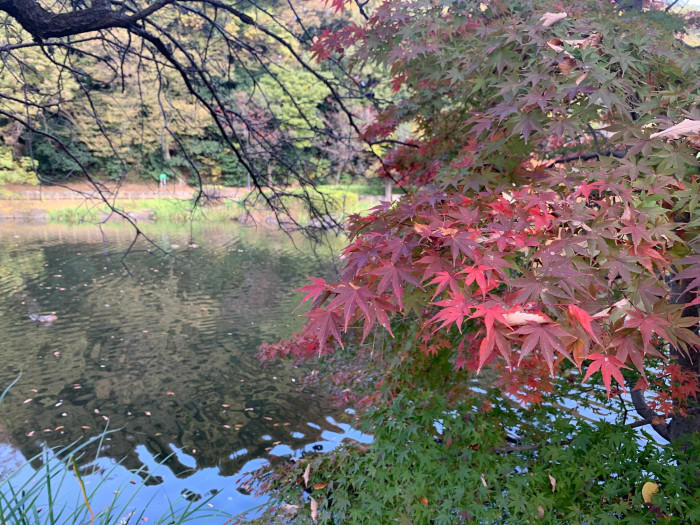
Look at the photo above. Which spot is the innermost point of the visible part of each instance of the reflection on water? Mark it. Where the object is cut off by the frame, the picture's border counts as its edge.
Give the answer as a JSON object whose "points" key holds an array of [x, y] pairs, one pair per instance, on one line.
{"points": [[164, 352]]}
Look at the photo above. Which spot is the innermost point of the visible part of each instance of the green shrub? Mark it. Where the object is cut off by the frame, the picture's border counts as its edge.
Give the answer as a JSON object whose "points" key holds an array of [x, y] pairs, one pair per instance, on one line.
{"points": [[16, 171]]}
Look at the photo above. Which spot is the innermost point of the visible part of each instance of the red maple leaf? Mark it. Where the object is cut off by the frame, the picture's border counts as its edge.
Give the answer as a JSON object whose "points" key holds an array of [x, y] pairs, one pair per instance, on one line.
{"points": [[454, 310], [444, 279], [338, 5], [461, 242], [491, 312], [548, 337], [314, 290], [350, 297], [479, 274], [394, 275], [584, 319], [398, 81], [323, 323], [541, 218], [648, 325], [609, 366]]}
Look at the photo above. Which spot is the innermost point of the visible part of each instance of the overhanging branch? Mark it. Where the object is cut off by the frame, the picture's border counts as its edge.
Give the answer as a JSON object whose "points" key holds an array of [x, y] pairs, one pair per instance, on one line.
{"points": [[43, 24]]}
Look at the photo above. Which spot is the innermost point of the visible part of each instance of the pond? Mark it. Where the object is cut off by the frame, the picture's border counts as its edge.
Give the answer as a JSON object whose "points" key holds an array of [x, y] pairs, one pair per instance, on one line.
{"points": [[162, 349]]}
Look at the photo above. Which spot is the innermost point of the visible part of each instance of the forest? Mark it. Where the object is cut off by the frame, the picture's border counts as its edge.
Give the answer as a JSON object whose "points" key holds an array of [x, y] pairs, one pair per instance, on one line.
{"points": [[121, 113]]}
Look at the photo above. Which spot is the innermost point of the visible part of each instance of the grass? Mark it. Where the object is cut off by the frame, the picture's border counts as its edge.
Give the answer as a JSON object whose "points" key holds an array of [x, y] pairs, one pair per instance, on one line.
{"points": [[158, 209], [358, 189], [340, 201]]}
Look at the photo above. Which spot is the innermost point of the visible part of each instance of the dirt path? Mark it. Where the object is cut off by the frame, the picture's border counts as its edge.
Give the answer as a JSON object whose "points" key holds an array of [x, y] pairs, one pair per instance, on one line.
{"points": [[128, 191], [34, 204]]}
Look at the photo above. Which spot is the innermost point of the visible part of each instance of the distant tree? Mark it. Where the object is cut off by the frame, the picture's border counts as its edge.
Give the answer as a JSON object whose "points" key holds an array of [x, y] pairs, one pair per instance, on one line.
{"points": [[114, 78]]}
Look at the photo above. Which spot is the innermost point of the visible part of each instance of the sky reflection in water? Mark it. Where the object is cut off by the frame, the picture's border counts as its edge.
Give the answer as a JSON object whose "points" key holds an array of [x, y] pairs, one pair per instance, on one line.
{"points": [[166, 355]]}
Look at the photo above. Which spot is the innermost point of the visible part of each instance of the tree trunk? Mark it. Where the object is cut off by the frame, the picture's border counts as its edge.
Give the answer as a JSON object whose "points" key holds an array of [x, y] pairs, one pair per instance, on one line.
{"points": [[679, 427], [164, 146]]}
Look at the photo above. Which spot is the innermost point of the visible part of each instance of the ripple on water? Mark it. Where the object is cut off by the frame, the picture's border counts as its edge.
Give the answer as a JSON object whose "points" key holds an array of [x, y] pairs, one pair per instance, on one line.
{"points": [[165, 353]]}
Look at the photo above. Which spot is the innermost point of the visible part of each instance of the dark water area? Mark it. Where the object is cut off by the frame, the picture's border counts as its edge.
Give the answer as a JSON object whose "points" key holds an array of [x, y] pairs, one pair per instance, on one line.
{"points": [[163, 351]]}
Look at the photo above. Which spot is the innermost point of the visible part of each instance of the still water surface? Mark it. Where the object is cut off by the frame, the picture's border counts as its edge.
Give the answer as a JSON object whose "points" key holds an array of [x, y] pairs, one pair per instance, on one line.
{"points": [[164, 352]]}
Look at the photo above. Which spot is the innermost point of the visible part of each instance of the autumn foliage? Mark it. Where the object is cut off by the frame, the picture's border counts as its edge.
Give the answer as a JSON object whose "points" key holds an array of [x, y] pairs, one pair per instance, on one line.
{"points": [[551, 210], [547, 243]]}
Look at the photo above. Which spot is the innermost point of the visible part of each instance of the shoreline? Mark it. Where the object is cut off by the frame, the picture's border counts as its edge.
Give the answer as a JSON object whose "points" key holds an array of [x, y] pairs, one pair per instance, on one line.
{"points": [[147, 203]]}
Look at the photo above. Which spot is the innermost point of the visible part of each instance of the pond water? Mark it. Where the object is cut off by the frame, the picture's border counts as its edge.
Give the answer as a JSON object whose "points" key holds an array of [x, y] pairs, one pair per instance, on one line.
{"points": [[163, 350]]}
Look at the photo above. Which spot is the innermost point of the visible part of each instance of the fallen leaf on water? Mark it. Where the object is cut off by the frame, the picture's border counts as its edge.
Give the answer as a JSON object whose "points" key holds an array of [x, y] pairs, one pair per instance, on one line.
{"points": [[548, 19], [649, 489], [553, 482], [687, 127]]}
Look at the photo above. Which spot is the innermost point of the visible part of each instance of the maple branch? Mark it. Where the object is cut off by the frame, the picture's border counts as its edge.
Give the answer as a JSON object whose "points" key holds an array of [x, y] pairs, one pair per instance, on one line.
{"points": [[587, 156], [669, 6], [361, 7], [43, 24], [656, 417], [643, 409], [526, 448]]}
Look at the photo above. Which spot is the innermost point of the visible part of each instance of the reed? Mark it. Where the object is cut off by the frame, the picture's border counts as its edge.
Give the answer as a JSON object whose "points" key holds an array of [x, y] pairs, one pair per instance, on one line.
{"points": [[55, 493]]}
